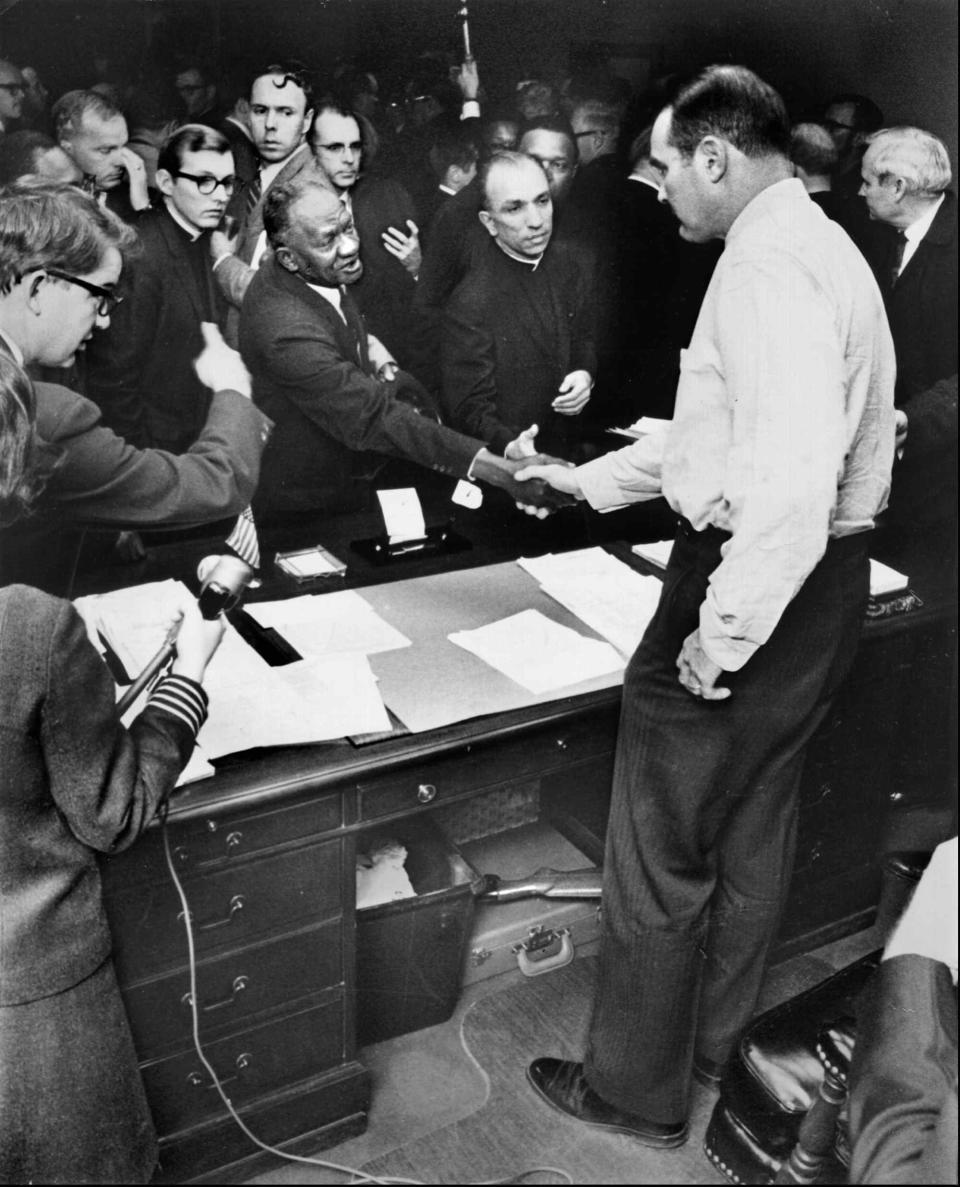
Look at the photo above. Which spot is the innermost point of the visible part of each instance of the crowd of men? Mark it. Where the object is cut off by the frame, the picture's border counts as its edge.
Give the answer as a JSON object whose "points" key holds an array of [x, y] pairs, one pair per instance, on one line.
{"points": [[478, 282]]}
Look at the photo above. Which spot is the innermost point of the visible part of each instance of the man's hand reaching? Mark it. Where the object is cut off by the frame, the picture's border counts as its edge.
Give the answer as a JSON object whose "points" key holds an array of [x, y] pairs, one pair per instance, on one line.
{"points": [[533, 496]]}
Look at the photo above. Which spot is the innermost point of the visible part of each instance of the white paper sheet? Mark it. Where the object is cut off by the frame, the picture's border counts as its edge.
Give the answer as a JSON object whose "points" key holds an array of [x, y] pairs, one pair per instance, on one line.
{"points": [[619, 608], [643, 426], [657, 551], [582, 562], [537, 653], [402, 514], [329, 624], [884, 580], [134, 621]]}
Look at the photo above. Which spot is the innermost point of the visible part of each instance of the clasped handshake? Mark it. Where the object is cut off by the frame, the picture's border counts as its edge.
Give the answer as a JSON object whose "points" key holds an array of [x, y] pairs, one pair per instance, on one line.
{"points": [[542, 483]]}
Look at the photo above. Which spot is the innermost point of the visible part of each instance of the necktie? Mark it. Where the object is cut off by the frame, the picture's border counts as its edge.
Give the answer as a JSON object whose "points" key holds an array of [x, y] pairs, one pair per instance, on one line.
{"points": [[252, 195], [243, 539], [896, 258]]}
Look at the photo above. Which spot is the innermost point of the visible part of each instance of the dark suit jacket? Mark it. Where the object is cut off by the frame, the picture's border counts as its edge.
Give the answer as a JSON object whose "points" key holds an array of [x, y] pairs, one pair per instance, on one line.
{"points": [[311, 376], [922, 306], [98, 478], [663, 279], [903, 1081], [384, 293], [74, 782], [510, 335], [140, 369], [235, 274], [922, 309]]}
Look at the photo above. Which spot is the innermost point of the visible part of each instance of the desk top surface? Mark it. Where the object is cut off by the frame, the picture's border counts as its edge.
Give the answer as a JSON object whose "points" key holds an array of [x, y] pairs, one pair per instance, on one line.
{"points": [[497, 534]]}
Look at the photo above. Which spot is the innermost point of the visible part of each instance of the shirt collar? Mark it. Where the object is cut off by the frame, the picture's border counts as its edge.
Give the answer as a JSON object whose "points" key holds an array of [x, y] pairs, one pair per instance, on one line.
{"points": [[789, 190], [916, 231], [181, 222], [532, 264], [13, 348], [644, 181], [447, 190], [333, 295], [269, 172]]}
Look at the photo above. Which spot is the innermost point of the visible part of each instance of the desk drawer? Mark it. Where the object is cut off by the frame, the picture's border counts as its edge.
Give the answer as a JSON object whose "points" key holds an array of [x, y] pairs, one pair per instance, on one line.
{"points": [[222, 840], [234, 987], [249, 1065], [486, 765], [229, 907]]}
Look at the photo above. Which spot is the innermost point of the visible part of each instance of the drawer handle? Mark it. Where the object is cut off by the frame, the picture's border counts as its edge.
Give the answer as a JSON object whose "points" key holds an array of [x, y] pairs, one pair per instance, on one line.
{"points": [[239, 985], [236, 906], [234, 839], [199, 1080], [426, 792]]}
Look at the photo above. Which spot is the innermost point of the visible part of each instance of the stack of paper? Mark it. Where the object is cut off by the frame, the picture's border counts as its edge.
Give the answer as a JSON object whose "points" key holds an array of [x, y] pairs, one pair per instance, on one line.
{"points": [[601, 591], [329, 624], [251, 704], [538, 653]]}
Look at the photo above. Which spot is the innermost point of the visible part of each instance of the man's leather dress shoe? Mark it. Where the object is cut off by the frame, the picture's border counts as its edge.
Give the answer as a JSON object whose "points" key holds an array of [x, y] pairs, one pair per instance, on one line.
{"points": [[563, 1085]]}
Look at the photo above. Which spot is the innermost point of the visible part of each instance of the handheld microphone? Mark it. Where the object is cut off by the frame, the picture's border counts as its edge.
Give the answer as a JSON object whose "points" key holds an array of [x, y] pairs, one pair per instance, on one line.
{"points": [[222, 582]]}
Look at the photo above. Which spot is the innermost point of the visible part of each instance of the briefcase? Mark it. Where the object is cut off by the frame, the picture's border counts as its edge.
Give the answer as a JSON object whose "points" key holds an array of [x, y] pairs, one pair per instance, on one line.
{"points": [[534, 935]]}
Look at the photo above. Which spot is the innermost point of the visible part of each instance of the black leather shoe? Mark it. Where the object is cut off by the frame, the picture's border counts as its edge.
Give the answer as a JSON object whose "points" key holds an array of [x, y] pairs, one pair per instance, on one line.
{"points": [[563, 1085]]}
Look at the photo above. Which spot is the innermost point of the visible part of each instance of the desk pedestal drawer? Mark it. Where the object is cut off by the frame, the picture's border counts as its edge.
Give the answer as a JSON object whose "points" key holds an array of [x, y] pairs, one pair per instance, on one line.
{"points": [[229, 907], [249, 1065], [234, 987]]}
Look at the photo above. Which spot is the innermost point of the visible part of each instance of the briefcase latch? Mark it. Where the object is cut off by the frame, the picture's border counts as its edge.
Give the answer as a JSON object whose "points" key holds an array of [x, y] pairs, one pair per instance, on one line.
{"points": [[544, 949]]}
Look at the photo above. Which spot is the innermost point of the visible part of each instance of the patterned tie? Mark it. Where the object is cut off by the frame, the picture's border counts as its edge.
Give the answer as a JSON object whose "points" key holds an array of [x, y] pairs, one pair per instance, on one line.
{"points": [[243, 539], [252, 195], [896, 258]]}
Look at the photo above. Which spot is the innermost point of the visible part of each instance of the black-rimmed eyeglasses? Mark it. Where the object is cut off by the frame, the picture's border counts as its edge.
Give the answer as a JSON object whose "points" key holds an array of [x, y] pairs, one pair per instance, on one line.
{"points": [[108, 299], [206, 183]]}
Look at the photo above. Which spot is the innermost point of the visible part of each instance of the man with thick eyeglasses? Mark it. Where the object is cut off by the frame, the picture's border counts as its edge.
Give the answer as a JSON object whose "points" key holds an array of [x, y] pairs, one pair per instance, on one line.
{"points": [[140, 370], [12, 90], [61, 258]]}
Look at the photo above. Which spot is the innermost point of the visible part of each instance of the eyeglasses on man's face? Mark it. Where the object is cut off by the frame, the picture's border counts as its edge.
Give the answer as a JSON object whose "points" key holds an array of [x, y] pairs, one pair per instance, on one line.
{"points": [[107, 299], [206, 183]]}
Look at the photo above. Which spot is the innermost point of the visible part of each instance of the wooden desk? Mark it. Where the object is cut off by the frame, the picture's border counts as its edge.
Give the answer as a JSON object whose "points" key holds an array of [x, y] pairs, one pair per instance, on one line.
{"points": [[267, 851]]}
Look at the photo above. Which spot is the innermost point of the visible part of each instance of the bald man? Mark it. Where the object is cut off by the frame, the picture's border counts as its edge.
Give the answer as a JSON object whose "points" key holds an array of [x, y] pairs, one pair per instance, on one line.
{"points": [[517, 343], [333, 389]]}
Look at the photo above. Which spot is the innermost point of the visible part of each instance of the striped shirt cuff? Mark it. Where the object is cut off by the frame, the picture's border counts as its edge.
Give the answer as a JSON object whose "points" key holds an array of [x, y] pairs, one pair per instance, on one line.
{"points": [[182, 697]]}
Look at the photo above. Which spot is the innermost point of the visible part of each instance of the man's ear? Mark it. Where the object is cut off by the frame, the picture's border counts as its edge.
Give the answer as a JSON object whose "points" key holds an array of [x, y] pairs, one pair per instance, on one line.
{"points": [[714, 156], [286, 259], [487, 219], [307, 127], [36, 279], [899, 187], [165, 182]]}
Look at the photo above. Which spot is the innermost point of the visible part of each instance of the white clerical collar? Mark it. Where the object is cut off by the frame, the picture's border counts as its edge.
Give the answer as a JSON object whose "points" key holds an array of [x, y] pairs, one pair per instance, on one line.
{"points": [[333, 295], [916, 231], [532, 262], [644, 181], [13, 348], [178, 218], [447, 190]]}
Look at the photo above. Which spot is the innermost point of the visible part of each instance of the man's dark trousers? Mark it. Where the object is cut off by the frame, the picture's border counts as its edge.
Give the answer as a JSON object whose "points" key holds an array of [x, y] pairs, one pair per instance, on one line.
{"points": [[702, 826]]}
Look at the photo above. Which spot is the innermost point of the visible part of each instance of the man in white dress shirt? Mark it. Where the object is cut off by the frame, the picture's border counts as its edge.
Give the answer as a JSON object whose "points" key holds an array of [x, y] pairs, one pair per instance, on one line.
{"points": [[777, 460]]}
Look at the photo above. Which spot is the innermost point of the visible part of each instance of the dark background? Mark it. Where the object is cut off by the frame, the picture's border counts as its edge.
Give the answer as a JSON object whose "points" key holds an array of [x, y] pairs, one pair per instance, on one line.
{"points": [[903, 53]]}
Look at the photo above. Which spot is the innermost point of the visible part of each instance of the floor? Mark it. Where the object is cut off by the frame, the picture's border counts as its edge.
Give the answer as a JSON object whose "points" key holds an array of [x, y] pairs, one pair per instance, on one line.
{"points": [[450, 1103]]}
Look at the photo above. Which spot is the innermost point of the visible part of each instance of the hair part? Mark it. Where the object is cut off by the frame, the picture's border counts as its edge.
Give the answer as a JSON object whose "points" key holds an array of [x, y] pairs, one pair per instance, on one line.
{"points": [[70, 110], [735, 105], [288, 71], [49, 225], [916, 156], [190, 138]]}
